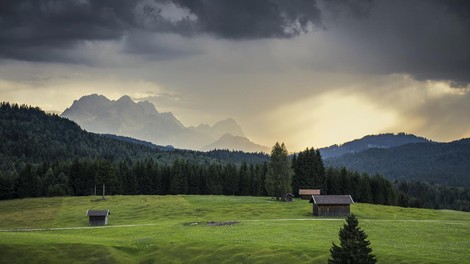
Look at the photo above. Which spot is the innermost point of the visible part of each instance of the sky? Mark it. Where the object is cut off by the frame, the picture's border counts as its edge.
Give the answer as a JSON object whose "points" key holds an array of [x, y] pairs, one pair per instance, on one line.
{"points": [[310, 73]]}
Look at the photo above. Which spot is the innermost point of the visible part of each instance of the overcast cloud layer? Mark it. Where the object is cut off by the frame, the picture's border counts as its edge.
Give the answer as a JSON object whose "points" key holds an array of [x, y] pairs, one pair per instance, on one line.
{"points": [[294, 71]]}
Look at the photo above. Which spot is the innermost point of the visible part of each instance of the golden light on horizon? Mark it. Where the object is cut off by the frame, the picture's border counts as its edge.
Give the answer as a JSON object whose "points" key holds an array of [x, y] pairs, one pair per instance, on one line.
{"points": [[331, 118]]}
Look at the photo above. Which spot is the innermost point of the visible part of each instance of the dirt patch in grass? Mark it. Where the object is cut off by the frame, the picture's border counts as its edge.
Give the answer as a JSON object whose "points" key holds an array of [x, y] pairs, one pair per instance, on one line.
{"points": [[226, 223]]}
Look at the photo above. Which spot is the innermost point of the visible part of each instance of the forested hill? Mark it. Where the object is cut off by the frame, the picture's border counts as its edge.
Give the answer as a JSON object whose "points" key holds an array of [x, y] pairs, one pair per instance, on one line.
{"points": [[446, 163], [388, 140], [29, 135]]}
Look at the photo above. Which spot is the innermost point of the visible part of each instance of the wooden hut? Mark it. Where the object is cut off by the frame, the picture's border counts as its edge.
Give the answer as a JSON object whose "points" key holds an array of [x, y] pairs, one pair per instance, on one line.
{"points": [[98, 217], [331, 205], [307, 193], [287, 197]]}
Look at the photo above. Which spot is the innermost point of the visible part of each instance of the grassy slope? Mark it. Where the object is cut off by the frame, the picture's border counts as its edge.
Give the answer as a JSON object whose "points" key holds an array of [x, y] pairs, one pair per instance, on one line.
{"points": [[398, 235]]}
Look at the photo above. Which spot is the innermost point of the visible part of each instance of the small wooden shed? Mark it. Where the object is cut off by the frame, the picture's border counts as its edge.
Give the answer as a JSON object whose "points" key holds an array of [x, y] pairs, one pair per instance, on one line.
{"points": [[98, 217], [287, 197], [307, 193], [331, 205]]}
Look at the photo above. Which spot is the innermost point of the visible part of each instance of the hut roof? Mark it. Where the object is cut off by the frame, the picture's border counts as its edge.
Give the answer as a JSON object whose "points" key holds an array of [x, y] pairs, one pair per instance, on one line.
{"points": [[331, 199], [309, 192], [98, 212]]}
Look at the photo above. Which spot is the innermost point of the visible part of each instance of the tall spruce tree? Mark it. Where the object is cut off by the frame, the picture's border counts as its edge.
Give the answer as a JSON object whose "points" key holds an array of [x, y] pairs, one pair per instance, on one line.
{"points": [[178, 180], [245, 179], [309, 171], [354, 248], [279, 175]]}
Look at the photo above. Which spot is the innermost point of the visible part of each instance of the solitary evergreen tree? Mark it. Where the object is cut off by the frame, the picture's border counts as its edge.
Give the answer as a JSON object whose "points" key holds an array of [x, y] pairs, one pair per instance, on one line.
{"points": [[354, 248], [279, 176]]}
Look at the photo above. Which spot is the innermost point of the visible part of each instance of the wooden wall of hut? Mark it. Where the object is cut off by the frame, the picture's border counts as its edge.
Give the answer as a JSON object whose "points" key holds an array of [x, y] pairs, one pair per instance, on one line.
{"points": [[331, 210]]}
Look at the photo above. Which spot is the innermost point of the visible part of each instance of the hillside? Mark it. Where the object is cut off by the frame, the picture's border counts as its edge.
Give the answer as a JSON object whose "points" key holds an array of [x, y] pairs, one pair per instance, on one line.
{"points": [[381, 141], [29, 135], [447, 163], [174, 229]]}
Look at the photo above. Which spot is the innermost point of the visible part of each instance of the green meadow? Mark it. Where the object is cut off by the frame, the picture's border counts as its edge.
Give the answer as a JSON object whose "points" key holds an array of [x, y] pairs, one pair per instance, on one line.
{"points": [[174, 229]]}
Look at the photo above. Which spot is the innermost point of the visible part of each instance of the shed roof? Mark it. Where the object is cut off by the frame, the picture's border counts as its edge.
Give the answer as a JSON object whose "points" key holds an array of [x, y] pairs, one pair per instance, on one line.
{"points": [[331, 199], [98, 212], [309, 191]]}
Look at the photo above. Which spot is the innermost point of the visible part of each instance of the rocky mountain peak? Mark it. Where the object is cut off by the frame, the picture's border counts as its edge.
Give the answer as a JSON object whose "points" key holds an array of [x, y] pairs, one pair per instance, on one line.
{"points": [[142, 120]]}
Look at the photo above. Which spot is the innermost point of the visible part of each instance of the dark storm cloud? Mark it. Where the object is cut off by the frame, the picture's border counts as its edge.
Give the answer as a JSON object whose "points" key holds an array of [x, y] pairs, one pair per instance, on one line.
{"points": [[357, 8], [428, 40], [52, 22], [43, 29], [31, 28], [441, 51], [246, 19], [459, 7]]}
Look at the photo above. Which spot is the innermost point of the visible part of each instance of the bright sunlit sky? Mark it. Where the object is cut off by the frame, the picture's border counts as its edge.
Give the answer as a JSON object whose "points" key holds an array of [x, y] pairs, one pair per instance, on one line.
{"points": [[308, 73]]}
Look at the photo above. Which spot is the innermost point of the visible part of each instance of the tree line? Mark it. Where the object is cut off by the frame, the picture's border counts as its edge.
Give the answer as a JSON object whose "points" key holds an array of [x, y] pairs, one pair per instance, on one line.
{"points": [[80, 176]]}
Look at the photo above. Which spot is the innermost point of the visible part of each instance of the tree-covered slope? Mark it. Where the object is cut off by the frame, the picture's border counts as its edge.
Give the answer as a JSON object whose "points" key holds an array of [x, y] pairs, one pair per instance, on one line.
{"points": [[388, 140], [29, 135], [447, 163]]}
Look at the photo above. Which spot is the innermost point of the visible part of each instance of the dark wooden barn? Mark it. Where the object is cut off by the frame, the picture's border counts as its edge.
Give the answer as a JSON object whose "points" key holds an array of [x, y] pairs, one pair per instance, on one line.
{"points": [[331, 205], [98, 217], [307, 193], [287, 197]]}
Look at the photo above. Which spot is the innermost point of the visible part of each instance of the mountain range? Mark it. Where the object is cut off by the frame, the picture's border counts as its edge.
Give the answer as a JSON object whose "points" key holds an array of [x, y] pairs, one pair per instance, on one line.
{"points": [[141, 120], [381, 141], [404, 156]]}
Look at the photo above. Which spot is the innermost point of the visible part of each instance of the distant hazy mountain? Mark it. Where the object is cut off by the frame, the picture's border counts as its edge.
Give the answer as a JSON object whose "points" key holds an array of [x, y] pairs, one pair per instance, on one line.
{"points": [[232, 142], [124, 117], [447, 163], [221, 128], [369, 142]]}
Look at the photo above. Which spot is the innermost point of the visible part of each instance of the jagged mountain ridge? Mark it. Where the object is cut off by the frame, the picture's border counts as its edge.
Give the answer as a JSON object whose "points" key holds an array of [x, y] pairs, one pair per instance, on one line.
{"points": [[383, 141], [220, 128], [141, 120]]}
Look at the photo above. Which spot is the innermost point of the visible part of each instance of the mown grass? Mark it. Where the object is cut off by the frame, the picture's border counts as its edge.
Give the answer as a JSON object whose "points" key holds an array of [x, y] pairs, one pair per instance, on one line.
{"points": [[268, 231]]}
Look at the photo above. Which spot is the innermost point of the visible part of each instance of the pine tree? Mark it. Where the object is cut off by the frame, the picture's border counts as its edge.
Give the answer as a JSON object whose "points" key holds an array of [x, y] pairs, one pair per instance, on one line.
{"points": [[179, 180], [28, 184], [245, 179], [309, 171], [279, 176], [194, 178], [354, 248], [231, 180]]}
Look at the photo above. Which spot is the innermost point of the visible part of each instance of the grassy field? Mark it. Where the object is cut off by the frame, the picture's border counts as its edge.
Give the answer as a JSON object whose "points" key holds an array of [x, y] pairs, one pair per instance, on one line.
{"points": [[173, 229]]}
